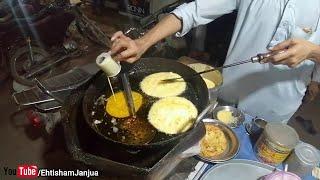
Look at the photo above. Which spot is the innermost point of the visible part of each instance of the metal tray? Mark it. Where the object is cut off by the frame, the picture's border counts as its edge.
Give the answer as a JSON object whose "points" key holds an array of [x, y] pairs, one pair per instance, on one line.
{"points": [[238, 169], [233, 145]]}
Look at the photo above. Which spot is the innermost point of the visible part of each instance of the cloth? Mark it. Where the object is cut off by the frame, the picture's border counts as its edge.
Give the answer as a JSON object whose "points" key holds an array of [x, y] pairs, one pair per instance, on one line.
{"points": [[272, 92]]}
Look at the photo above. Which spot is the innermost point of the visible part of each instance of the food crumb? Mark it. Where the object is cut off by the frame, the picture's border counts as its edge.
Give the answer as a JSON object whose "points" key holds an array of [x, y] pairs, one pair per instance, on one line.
{"points": [[114, 121], [115, 129], [97, 122]]}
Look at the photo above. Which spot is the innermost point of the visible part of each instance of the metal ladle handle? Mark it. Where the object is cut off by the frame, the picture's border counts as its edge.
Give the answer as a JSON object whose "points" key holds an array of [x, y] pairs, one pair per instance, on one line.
{"points": [[128, 93], [262, 56]]}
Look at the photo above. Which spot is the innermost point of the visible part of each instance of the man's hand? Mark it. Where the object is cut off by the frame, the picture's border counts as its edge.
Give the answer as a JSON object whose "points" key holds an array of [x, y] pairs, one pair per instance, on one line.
{"points": [[126, 49], [294, 51]]}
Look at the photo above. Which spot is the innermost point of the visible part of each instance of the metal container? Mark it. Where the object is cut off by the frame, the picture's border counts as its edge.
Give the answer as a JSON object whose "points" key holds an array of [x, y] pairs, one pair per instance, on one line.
{"points": [[238, 115], [233, 145], [255, 128], [275, 143], [108, 64], [303, 159], [214, 76]]}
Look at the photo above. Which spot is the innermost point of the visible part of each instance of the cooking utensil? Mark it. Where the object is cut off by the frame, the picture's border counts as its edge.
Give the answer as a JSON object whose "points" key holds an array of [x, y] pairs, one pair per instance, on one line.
{"points": [[196, 92], [254, 59], [236, 113], [211, 106], [91, 151], [256, 126], [108, 64], [233, 145], [239, 168], [214, 76], [128, 94]]}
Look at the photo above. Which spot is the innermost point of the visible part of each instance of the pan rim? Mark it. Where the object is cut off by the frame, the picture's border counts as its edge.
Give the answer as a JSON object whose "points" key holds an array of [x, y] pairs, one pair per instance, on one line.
{"points": [[158, 143]]}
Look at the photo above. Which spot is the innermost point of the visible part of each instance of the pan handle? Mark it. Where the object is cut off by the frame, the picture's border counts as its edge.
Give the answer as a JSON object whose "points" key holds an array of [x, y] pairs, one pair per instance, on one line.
{"points": [[211, 106], [195, 149]]}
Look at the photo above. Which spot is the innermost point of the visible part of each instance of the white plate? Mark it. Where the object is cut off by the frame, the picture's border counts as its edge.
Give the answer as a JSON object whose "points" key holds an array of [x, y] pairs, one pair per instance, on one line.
{"points": [[238, 169]]}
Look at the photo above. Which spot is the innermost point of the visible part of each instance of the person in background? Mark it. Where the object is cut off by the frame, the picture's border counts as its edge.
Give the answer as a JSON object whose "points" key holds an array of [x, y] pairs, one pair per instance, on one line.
{"points": [[272, 90]]}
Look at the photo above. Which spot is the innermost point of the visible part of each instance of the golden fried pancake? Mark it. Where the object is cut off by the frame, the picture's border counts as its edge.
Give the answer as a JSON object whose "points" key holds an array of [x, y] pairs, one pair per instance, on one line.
{"points": [[152, 85], [172, 115]]}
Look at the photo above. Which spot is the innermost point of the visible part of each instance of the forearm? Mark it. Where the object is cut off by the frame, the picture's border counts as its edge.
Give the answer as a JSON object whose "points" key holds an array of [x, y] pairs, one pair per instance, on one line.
{"points": [[166, 27]]}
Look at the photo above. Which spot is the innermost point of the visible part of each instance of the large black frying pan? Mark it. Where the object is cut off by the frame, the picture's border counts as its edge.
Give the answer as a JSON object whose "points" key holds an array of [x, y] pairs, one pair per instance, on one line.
{"points": [[196, 92]]}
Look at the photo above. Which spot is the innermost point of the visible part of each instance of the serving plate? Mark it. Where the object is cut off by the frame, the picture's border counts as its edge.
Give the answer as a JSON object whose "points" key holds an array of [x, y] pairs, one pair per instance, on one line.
{"points": [[233, 145], [238, 169]]}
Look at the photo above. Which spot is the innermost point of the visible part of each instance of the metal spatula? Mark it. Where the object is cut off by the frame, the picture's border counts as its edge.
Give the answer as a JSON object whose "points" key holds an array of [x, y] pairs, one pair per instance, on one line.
{"points": [[254, 59], [128, 94]]}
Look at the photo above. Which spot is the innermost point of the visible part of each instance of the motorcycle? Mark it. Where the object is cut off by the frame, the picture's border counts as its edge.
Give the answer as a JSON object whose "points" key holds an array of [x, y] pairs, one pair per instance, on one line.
{"points": [[47, 96], [44, 29]]}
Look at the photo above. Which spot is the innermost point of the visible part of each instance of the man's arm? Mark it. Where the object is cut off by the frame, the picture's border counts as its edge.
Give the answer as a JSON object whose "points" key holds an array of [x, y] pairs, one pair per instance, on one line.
{"points": [[182, 19], [135, 48]]}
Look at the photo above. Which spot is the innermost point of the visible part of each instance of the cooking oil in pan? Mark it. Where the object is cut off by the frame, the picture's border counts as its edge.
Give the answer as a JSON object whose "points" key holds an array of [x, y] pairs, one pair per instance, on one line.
{"points": [[129, 130]]}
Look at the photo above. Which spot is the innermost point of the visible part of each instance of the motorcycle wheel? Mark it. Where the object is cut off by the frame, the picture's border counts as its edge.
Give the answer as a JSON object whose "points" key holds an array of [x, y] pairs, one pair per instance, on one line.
{"points": [[20, 64]]}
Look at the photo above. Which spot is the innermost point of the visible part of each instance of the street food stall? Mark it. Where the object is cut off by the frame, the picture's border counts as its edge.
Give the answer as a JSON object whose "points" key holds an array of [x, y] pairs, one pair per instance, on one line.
{"points": [[160, 118], [226, 142]]}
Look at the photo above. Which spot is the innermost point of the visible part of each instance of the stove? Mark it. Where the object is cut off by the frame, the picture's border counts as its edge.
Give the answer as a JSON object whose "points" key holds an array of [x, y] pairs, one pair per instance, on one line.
{"points": [[94, 152]]}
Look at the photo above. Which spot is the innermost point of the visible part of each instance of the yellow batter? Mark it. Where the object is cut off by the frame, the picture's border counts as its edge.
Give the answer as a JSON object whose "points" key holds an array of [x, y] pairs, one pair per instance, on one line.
{"points": [[209, 83], [172, 115], [117, 106], [225, 116], [152, 85]]}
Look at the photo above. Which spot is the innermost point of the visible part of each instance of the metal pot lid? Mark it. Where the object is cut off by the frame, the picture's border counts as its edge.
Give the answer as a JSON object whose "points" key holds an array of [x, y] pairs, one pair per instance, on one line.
{"points": [[282, 134]]}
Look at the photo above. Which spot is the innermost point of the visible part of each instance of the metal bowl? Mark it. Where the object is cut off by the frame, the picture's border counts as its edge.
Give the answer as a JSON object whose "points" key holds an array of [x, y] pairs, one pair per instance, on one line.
{"points": [[233, 145], [238, 114], [214, 76]]}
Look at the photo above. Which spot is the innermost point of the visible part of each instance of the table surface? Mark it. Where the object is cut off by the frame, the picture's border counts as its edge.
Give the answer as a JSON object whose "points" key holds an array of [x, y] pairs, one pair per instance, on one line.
{"points": [[245, 152]]}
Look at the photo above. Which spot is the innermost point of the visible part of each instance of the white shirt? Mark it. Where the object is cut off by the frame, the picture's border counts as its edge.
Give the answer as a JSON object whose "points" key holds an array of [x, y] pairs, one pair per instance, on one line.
{"points": [[272, 92]]}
